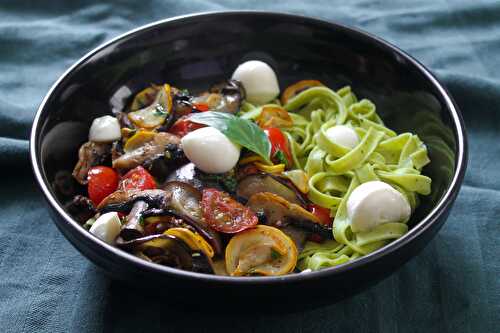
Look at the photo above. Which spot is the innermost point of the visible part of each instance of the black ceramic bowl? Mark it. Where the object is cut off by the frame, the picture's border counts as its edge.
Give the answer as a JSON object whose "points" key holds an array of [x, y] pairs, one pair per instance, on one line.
{"points": [[197, 50]]}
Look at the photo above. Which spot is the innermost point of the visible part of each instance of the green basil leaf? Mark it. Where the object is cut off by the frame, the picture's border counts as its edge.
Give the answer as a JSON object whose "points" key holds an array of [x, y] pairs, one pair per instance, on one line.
{"points": [[240, 131]]}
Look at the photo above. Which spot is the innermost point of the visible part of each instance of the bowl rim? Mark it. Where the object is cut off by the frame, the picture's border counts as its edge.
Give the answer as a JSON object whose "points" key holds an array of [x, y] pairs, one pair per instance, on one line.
{"points": [[140, 264]]}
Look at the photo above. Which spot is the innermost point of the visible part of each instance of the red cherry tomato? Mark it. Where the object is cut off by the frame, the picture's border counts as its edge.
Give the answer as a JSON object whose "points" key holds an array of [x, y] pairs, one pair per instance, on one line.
{"points": [[224, 214], [323, 214], [137, 179], [102, 181], [278, 143], [183, 126]]}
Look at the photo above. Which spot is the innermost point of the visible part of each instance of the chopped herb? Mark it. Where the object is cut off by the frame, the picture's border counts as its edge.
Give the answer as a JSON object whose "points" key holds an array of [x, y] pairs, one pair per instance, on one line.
{"points": [[141, 221], [226, 180], [160, 110], [280, 157], [275, 254]]}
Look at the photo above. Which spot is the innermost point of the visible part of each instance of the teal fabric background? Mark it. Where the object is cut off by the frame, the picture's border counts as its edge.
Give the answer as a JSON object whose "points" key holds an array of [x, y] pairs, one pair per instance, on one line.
{"points": [[452, 286]]}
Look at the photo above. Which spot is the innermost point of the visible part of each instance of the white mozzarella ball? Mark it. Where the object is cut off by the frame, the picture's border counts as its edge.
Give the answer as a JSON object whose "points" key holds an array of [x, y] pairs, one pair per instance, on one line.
{"points": [[259, 80], [343, 136], [107, 227], [210, 150], [105, 129], [374, 203]]}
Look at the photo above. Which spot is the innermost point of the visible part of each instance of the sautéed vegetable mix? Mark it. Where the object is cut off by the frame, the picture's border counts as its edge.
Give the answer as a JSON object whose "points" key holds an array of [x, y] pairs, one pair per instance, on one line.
{"points": [[245, 180]]}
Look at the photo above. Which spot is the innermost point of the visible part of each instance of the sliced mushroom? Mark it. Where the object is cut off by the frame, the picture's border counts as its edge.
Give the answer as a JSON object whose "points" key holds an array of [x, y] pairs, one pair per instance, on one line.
{"points": [[263, 182], [223, 97], [181, 102], [185, 199], [133, 226], [169, 251], [89, 155], [122, 201], [280, 213], [162, 166], [138, 203], [153, 146], [185, 202]]}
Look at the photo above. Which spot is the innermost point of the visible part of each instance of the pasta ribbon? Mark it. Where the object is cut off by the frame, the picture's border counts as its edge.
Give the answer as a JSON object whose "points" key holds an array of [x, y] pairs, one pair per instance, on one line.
{"points": [[334, 171]]}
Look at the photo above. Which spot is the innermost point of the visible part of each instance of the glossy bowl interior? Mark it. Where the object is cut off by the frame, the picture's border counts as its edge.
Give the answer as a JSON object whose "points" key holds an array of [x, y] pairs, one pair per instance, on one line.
{"points": [[194, 52]]}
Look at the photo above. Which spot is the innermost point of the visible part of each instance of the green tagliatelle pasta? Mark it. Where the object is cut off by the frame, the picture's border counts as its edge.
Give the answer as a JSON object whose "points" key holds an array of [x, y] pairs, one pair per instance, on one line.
{"points": [[334, 171]]}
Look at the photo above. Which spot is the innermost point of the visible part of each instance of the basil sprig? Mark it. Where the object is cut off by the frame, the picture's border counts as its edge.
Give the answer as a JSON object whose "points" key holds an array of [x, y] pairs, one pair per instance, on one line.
{"points": [[240, 131]]}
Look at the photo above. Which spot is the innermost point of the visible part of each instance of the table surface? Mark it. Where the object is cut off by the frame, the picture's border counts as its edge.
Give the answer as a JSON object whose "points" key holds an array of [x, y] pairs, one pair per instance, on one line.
{"points": [[452, 286]]}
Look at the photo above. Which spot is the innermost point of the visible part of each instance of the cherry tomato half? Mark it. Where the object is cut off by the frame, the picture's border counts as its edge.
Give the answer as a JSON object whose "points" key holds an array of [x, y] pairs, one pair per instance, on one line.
{"points": [[102, 182], [278, 143], [137, 179], [224, 214], [323, 214], [183, 126]]}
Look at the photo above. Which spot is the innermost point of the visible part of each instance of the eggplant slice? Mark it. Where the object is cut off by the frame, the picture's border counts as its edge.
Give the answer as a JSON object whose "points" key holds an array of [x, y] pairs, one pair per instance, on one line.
{"points": [[185, 203], [169, 251], [176, 199], [263, 182], [280, 213]]}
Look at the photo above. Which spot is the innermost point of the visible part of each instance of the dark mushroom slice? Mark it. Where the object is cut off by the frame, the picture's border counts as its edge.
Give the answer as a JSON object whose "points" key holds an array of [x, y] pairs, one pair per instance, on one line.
{"points": [[138, 204], [152, 148], [90, 154], [133, 226], [161, 166], [181, 100], [188, 173], [81, 208], [281, 213], [185, 199], [122, 201], [233, 94], [263, 182], [185, 202], [169, 251], [224, 97]]}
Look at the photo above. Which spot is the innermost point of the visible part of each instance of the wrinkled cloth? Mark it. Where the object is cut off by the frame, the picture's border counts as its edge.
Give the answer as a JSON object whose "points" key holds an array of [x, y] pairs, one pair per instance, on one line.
{"points": [[452, 286]]}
